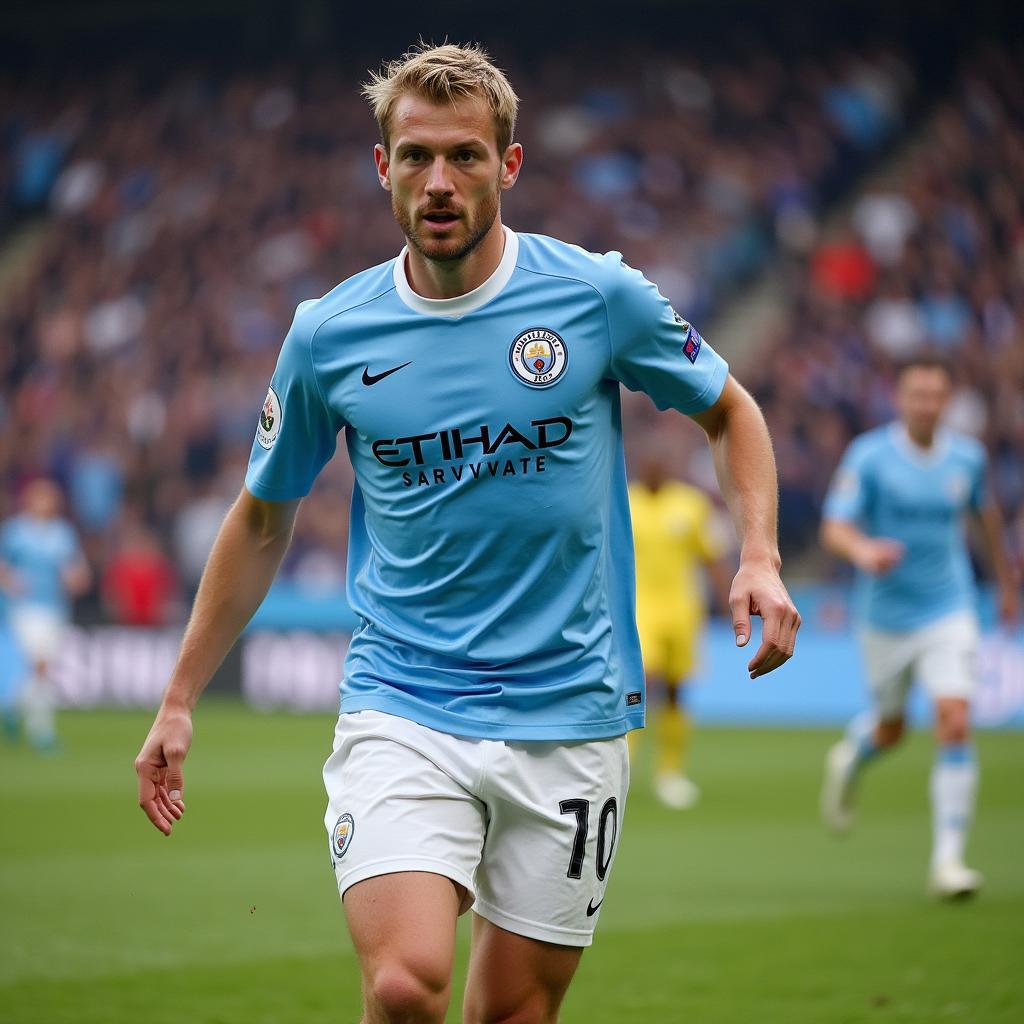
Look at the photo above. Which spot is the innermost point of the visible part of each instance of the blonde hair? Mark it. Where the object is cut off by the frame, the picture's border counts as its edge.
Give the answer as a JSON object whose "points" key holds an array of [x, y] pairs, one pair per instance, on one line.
{"points": [[443, 74]]}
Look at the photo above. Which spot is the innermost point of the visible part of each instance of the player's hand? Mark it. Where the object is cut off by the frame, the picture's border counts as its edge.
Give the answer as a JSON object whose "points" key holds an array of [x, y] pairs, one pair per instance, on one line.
{"points": [[878, 555], [159, 767], [11, 582], [758, 590], [1009, 604]]}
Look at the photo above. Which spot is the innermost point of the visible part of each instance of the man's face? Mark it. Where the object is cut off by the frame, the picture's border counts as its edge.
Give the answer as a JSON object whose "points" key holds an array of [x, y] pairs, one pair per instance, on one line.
{"points": [[42, 499], [922, 397], [445, 174]]}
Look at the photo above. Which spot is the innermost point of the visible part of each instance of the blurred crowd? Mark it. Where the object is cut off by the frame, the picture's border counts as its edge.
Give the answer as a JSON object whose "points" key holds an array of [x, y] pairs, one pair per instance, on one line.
{"points": [[187, 214], [931, 257]]}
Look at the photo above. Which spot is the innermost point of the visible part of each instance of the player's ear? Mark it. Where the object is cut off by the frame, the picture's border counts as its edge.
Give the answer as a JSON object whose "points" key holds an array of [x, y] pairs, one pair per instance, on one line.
{"points": [[512, 162], [380, 158]]}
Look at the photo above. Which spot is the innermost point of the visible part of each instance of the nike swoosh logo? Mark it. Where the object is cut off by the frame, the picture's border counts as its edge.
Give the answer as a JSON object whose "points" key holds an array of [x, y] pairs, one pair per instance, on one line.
{"points": [[369, 378], [592, 909]]}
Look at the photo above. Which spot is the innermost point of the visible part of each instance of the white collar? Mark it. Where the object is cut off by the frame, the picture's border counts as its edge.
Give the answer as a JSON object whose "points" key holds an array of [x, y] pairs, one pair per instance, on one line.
{"points": [[460, 305], [913, 451]]}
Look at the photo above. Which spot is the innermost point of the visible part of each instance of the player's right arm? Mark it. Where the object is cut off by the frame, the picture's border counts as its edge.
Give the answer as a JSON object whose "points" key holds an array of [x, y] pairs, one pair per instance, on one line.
{"points": [[845, 504], [243, 562], [296, 437], [10, 581]]}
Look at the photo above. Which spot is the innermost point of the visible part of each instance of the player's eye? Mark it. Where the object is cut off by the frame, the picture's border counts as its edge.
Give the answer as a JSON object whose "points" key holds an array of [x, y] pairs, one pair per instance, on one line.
{"points": [[465, 156]]}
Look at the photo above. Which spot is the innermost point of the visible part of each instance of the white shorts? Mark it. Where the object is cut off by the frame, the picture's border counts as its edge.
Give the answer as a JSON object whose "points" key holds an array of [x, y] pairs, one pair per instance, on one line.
{"points": [[942, 656], [530, 829], [38, 631]]}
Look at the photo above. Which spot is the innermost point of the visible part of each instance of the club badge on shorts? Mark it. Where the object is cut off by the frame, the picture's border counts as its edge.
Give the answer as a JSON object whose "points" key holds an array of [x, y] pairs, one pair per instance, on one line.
{"points": [[344, 830], [270, 420], [538, 357]]}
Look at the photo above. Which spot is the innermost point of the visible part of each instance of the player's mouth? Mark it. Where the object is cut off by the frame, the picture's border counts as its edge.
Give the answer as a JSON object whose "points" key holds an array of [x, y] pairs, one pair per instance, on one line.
{"points": [[441, 220]]}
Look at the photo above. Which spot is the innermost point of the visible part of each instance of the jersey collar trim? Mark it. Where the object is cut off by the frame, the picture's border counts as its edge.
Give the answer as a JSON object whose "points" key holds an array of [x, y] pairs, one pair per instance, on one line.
{"points": [[913, 451], [460, 305]]}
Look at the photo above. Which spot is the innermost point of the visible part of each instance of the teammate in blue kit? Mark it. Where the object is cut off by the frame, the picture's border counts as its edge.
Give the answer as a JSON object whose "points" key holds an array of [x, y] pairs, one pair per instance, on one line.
{"points": [[895, 510], [480, 754], [41, 568]]}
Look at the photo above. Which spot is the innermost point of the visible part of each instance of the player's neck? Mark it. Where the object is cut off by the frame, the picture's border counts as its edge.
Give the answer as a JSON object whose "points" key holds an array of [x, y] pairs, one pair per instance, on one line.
{"points": [[920, 439], [447, 279]]}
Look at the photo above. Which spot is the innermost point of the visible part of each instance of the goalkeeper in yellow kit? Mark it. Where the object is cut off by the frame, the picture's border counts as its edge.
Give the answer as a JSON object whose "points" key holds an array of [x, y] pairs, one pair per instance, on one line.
{"points": [[676, 542]]}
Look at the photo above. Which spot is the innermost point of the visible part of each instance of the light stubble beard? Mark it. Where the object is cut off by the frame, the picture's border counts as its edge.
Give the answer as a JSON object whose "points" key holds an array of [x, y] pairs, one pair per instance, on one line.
{"points": [[484, 220]]}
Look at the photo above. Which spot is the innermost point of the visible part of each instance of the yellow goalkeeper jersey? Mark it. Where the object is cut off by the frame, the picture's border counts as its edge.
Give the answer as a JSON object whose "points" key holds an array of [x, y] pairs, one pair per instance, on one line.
{"points": [[674, 535]]}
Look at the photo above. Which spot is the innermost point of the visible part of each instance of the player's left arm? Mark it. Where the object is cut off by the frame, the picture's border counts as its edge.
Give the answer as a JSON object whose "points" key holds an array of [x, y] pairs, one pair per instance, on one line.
{"points": [[745, 466], [75, 573], [77, 576], [1007, 577]]}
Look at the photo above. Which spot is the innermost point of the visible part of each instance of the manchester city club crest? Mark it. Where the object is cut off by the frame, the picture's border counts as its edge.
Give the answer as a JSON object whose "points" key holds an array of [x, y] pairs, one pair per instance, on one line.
{"points": [[538, 357], [270, 420], [344, 830], [957, 487]]}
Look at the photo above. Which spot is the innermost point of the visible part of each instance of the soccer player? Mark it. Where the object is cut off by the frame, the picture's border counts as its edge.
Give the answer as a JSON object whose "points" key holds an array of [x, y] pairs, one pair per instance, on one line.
{"points": [[41, 567], [479, 757], [675, 540], [895, 510]]}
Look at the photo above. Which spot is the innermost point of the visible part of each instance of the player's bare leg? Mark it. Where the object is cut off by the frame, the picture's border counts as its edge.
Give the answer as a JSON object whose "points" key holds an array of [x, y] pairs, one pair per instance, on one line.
{"points": [[954, 783], [513, 978], [403, 928], [866, 738]]}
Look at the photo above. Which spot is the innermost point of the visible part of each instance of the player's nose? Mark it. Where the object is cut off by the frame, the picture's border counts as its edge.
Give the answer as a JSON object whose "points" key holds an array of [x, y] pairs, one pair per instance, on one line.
{"points": [[439, 180]]}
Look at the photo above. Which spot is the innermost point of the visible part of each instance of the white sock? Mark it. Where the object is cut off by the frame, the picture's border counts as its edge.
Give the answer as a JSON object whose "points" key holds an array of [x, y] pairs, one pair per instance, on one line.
{"points": [[38, 707], [954, 783], [861, 734]]}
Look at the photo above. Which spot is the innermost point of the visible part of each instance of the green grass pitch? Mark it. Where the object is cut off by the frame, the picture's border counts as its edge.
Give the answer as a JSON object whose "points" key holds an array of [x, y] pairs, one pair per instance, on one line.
{"points": [[741, 910]]}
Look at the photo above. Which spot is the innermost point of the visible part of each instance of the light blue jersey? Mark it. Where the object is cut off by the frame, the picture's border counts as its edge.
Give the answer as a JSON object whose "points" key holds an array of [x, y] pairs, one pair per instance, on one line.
{"points": [[38, 551], [891, 488], [490, 551]]}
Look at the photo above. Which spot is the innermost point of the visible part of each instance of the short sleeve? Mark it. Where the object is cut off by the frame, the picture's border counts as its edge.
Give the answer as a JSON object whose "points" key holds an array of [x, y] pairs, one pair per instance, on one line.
{"points": [[654, 350], [297, 432], [847, 493]]}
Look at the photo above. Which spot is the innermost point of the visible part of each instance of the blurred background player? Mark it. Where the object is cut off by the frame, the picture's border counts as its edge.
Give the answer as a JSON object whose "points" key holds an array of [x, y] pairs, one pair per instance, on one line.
{"points": [[895, 510], [675, 537], [41, 568]]}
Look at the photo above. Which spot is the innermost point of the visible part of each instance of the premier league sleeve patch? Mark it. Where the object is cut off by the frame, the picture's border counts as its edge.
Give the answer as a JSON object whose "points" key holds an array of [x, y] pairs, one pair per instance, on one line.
{"points": [[270, 420], [538, 357], [691, 338]]}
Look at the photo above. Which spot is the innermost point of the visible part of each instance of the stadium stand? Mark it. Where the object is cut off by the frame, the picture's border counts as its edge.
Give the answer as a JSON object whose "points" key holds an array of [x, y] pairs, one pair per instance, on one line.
{"points": [[928, 256], [187, 214]]}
